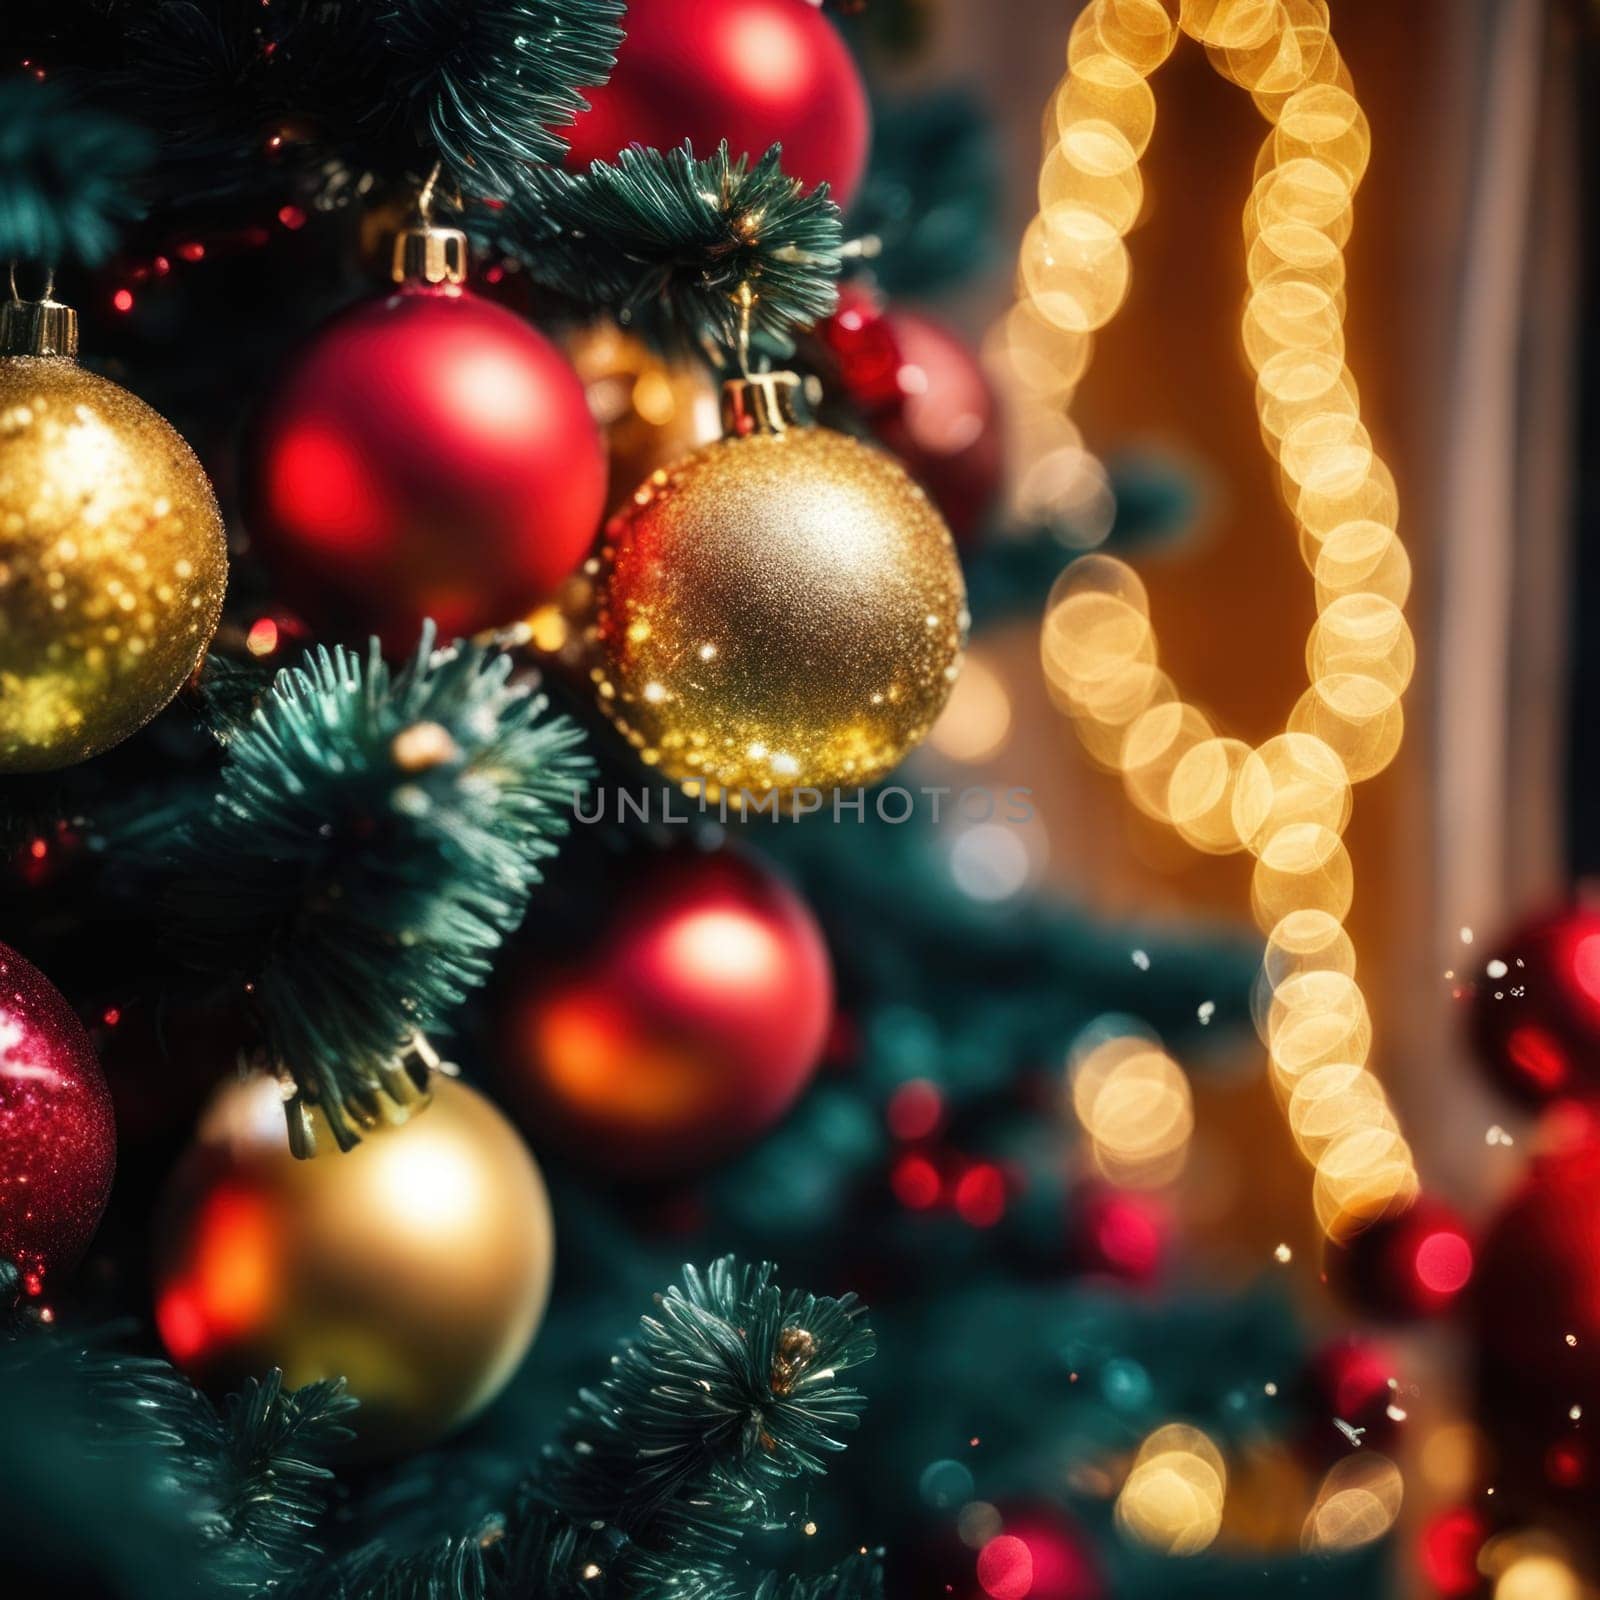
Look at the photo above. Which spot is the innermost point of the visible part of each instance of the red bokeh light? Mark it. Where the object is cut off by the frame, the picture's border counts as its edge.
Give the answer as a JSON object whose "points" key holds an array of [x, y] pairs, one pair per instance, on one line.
{"points": [[980, 1195], [914, 1110], [1448, 1552], [915, 1181], [1537, 1056], [1443, 1262], [1005, 1568]]}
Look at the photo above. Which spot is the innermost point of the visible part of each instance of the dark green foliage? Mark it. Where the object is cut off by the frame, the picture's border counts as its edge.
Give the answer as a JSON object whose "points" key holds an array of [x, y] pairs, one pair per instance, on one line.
{"points": [[929, 208], [361, 884], [117, 1470], [736, 1382], [490, 82], [661, 232], [67, 174]]}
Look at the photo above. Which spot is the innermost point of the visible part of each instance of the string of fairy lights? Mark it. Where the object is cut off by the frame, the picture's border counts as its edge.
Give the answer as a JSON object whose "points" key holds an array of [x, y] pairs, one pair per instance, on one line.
{"points": [[1286, 801]]}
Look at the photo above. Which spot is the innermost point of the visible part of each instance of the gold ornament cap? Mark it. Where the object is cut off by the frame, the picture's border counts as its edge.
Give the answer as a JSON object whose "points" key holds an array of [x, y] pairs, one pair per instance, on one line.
{"points": [[426, 253], [38, 328], [763, 402]]}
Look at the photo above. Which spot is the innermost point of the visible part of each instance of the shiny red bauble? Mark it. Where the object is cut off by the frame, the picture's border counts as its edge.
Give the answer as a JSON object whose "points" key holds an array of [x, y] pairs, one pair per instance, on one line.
{"points": [[58, 1138], [428, 454], [690, 1027], [753, 72], [1406, 1267], [1534, 1007], [921, 390]]}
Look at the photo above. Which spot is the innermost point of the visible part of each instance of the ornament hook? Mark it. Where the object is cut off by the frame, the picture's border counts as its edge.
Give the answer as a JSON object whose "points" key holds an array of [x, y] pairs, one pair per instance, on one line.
{"points": [[42, 327]]}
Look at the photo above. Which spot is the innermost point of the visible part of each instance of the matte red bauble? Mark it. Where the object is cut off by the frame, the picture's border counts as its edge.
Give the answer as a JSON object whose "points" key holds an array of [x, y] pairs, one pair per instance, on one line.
{"points": [[1535, 1007], [1412, 1265], [926, 399], [428, 454], [690, 1028], [58, 1139], [753, 72]]}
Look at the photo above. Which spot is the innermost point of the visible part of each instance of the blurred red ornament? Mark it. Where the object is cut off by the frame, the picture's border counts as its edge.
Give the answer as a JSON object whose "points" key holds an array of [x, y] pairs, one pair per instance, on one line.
{"points": [[1412, 1265], [753, 72], [926, 398], [691, 1027], [428, 454], [1119, 1234], [1534, 1012], [1349, 1380], [1448, 1552], [1536, 1309], [1039, 1555], [58, 1138]]}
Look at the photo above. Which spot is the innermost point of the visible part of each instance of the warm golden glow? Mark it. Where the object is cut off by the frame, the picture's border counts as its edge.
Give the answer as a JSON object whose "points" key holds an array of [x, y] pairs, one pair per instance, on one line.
{"points": [[1172, 1500], [1134, 1103], [1357, 1503], [1288, 800]]}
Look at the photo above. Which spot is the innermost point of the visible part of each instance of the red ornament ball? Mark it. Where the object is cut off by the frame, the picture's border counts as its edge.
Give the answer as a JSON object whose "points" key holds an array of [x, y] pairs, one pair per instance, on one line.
{"points": [[753, 72], [428, 454], [58, 1138], [691, 1026], [1408, 1266], [927, 400], [1534, 1007]]}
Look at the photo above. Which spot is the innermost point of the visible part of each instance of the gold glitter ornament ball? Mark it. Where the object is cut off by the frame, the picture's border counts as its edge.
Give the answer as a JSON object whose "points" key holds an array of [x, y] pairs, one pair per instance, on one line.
{"points": [[112, 557], [782, 609]]}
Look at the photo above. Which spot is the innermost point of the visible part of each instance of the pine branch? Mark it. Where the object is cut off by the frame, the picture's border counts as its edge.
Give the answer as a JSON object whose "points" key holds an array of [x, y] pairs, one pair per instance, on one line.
{"points": [[66, 175], [857, 1577], [663, 232], [375, 837], [199, 1503], [725, 1395], [491, 81]]}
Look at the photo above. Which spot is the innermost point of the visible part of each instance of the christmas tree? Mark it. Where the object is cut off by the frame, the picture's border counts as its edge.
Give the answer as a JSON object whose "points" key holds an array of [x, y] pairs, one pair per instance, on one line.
{"points": [[493, 810]]}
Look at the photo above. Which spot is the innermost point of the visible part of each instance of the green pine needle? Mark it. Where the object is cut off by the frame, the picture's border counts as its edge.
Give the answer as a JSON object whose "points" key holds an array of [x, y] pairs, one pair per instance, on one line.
{"points": [[66, 175], [661, 231], [731, 1390], [491, 81], [375, 838]]}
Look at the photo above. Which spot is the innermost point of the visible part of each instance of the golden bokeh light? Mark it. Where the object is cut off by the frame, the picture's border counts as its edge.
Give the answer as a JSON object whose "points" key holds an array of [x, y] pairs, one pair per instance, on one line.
{"points": [[1134, 1103], [976, 720], [1357, 1503], [1172, 1499]]}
